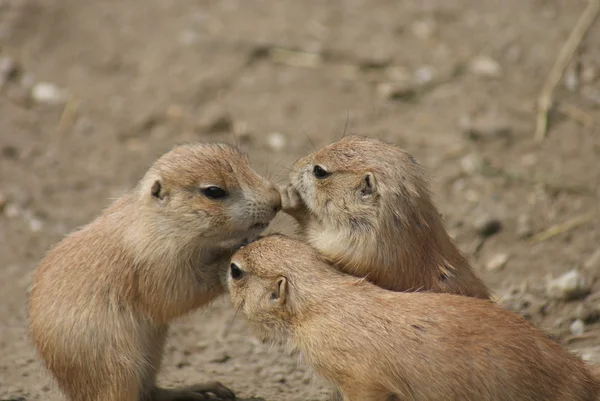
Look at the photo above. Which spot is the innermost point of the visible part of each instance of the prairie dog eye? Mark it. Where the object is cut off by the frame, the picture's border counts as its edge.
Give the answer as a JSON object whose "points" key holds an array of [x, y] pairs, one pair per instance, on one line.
{"points": [[214, 192], [319, 172], [235, 271]]}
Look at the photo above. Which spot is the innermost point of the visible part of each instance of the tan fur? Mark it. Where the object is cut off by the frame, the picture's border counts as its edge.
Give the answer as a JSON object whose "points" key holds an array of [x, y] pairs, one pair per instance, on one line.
{"points": [[379, 345], [374, 217], [102, 299]]}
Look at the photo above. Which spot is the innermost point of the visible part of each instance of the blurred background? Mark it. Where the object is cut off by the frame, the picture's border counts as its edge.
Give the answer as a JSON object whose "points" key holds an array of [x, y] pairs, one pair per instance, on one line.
{"points": [[92, 92]]}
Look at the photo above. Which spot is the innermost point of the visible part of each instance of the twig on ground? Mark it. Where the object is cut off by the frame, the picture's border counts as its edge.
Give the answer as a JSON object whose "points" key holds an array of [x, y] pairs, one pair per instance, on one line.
{"points": [[580, 337], [564, 58], [67, 118], [576, 114], [563, 227]]}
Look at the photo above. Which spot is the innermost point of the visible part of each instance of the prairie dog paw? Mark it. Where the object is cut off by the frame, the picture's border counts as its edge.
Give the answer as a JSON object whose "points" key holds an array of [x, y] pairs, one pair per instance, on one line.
{"points": [[291, 203]]}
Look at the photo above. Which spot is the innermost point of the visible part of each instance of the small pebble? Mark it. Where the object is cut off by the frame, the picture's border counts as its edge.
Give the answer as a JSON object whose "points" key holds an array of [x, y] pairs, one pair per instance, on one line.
{"points": [[425, 74], [276, 141], [45, 92], [471, 163], [496, 262], [485, 67], [590, 354], [577, 328], [35, 225], [569, 286], [571, 79], [401, 91], [12, 210], [487, 226]]}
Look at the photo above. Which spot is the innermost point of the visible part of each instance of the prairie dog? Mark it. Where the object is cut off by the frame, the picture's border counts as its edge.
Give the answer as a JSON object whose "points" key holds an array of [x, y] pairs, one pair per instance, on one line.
{"points": [[365, 205], [103, 298], [380, 345]]}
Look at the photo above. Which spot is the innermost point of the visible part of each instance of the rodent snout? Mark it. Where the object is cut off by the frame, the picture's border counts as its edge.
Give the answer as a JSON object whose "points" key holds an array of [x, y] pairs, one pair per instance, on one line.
{"points": [[275, 199]]}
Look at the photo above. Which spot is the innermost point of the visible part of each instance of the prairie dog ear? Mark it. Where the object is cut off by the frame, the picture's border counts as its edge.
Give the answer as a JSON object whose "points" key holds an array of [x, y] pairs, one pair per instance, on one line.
{"points": [[369, 186], [158, 191], [278, 295]]}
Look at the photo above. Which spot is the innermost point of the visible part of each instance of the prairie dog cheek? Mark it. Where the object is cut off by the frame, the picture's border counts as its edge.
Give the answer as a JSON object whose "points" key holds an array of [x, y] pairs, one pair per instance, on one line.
{"points": [[307, 190]]}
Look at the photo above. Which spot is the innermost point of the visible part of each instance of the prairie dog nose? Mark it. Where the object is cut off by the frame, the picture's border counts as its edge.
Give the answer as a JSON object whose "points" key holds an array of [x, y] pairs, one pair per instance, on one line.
{"points": [[274, 199]]}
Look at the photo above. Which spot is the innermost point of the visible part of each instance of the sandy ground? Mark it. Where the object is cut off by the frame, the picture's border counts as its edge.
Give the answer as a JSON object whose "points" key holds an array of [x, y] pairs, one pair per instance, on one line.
{"points": [[92, 92]]}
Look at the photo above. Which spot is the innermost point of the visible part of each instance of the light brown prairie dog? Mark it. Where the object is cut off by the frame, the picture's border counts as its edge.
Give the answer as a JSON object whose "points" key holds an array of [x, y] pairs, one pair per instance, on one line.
{"points": [[365, 205], [380, 345], [103, 298]]}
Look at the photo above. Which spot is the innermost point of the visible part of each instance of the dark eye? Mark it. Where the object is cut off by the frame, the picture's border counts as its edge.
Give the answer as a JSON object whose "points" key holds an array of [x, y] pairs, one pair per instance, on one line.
{"points": [[319, 172], [214, 192], [236, 272]]}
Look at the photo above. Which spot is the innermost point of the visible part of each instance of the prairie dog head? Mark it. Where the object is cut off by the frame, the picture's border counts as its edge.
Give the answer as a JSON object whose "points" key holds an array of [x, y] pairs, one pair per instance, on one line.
{"points": [[348, 178], [208, 192], [363, 190], [269, 280]]}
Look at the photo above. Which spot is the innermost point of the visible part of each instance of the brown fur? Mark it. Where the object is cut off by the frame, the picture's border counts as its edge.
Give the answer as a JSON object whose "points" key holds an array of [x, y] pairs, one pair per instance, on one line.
{"points": [[374, 216], [377, 345], [102, 299]]}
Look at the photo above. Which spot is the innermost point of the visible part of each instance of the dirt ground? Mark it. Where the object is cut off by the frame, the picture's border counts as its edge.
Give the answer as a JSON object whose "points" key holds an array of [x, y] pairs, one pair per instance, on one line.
{"points": [[92, 92]]}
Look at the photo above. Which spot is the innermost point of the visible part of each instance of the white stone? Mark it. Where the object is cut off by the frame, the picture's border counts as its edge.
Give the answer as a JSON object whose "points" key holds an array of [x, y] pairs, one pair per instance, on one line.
{"points": [[496, 262], [589, 354], [276, 141], [45, 92], [471, 163], [35, 225], [425, 74], [12, 210], [577, 327], [485, 66], [567, 286]]}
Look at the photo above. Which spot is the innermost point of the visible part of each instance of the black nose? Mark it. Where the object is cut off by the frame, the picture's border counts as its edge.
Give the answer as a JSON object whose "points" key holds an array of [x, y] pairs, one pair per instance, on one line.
{"points": [[236, 272]]}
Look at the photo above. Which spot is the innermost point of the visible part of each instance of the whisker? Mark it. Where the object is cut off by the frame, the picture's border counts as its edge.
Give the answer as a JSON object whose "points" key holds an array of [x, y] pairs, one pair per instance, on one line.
{"points": [[287, 168], [277, 164], [309, 139], [230, 324], [347, 121]]}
